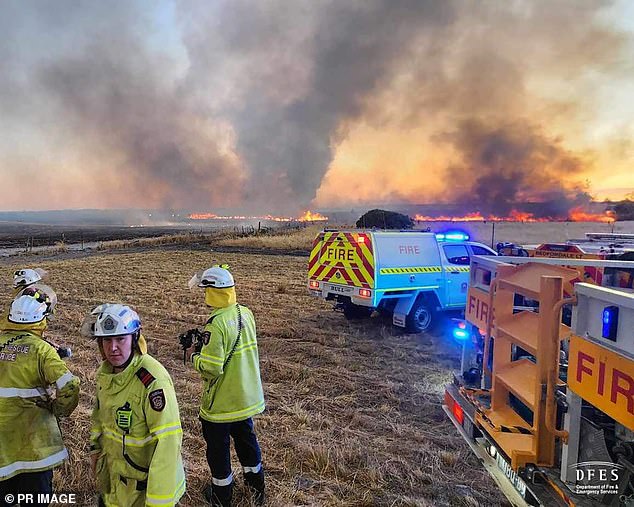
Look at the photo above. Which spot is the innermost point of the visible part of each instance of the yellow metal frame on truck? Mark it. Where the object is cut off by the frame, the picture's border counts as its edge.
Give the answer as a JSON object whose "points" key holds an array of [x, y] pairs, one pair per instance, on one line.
{"points": [[522, 441]]}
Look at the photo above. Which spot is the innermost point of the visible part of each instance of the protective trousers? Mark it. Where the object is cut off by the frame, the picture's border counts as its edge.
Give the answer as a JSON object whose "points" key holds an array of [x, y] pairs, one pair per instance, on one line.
{"points": [[32, 483], [217, 436]]}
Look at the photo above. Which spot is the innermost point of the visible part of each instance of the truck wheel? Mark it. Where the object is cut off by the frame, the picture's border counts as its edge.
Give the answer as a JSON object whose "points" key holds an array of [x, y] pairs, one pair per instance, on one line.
{"points": [[421, 317], [353, 312]]}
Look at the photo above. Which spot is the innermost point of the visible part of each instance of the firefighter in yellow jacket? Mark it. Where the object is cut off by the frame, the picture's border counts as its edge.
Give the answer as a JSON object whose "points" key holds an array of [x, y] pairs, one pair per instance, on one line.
{"points": [[29, 281], [31, 372], [136, 433], [228, 362]]}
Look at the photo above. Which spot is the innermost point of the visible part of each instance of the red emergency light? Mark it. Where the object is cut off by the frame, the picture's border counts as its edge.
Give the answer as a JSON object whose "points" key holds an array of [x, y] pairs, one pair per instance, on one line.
{"points": [[313, 284], [365, 293]]}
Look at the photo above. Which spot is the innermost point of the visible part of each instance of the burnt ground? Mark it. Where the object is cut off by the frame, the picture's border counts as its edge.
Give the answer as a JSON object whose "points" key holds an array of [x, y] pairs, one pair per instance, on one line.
{"points": [[15, 235]]}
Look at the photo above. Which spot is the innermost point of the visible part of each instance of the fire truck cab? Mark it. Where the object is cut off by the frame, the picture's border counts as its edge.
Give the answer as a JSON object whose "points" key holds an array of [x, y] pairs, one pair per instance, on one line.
{"points": [[548, 408]]}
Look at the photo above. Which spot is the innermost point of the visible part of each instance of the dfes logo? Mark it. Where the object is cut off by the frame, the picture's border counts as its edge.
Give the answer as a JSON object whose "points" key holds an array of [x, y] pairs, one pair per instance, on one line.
{"points": [[597, 477]]}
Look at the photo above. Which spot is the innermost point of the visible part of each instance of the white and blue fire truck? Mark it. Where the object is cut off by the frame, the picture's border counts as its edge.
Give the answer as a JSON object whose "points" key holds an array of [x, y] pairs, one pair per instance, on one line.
{"points": [[410, 275]]}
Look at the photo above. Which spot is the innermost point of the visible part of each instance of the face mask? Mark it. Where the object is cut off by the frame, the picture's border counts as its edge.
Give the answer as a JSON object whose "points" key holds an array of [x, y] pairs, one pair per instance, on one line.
{"points": [[220, 298]]}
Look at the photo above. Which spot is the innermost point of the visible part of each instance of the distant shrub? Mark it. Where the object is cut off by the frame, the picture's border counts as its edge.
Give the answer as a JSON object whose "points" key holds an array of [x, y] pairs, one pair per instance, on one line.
{"points": [[624, 210], [383, 219], [59, 247]]}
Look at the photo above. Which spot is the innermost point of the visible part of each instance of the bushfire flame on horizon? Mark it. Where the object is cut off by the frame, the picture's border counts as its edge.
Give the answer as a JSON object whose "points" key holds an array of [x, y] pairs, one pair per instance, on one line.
{"points": [[307, 216], [576, 214]]}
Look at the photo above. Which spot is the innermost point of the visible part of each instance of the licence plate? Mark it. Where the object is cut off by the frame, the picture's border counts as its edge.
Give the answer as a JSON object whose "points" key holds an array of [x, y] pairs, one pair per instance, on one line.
{"points": [[511, 475], [340, 289]]}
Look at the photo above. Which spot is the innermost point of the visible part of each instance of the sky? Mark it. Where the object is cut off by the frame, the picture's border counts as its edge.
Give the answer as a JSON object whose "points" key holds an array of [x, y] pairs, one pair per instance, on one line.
{"points": [[274, 106]]}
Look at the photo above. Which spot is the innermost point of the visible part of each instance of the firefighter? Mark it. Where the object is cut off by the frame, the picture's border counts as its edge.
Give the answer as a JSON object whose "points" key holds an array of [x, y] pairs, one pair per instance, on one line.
{"points": [[27, 277], [229, 365], [30, 281], [31, 372], [136, 433]]}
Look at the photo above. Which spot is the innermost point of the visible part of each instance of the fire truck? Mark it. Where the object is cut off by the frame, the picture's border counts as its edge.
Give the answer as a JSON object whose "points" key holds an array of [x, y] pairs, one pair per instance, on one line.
{"points": [[595, 245], [548, 408], [410, 275]]}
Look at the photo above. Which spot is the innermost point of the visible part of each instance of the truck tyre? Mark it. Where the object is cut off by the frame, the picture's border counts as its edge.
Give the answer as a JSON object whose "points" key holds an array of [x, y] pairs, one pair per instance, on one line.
{"points": [[354, 312], [422, 317]]}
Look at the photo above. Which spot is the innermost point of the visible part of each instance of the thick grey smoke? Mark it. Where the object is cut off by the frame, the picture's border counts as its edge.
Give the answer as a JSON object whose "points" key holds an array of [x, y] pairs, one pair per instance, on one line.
{"points": [[236, 103], [305, 68], [123, 104], [506, 165]]}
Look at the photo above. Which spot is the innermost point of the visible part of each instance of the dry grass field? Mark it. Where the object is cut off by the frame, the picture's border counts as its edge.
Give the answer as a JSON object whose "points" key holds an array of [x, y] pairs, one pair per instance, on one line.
{"points": [[300, 239], [353, 409]]}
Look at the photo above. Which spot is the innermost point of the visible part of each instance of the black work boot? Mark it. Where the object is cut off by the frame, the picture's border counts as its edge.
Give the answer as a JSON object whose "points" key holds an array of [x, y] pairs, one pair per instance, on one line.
{"points": [[256, 486], [219, 496]]}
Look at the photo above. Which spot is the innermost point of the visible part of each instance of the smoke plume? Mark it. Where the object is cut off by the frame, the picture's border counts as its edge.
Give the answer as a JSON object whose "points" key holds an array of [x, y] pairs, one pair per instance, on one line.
{"points": [[277, 105], [507, 165]]}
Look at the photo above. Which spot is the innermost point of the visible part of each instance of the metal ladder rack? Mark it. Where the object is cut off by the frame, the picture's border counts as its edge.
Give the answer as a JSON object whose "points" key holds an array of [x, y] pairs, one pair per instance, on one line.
{"points": [[533, 380]]}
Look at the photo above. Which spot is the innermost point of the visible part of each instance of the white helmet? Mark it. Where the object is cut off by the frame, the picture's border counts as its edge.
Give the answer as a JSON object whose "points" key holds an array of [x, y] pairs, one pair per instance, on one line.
{"points": [[115, 320], [29, 309], [215, 277], [40, 290], [24, 277]]}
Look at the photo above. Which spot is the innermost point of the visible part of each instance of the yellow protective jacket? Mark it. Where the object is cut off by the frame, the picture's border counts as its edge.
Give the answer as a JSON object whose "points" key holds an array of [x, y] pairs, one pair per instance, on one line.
{"points": [[236, 393], [138, 404], [35, 388]]}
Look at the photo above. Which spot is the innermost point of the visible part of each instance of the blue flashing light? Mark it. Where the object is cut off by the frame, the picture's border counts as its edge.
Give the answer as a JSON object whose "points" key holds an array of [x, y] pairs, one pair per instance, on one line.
{"points": [[459, 330], [452, 236], [460, 334], [610, 322]]}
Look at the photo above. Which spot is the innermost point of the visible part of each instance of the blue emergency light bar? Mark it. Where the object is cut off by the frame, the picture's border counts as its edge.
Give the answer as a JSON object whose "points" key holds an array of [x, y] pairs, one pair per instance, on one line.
{"points": [[452, 236]]}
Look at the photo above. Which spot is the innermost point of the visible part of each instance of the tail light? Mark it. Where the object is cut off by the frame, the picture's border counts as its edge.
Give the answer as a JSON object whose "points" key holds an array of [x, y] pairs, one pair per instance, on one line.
{"points": [[458, 413], [365, 293], [313, 284], [455, 408]]}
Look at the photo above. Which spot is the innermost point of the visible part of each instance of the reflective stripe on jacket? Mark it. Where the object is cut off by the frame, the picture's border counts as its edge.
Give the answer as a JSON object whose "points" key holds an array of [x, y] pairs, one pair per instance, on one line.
{"points": [[30, 371], [152, 442], [236, 393]]}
